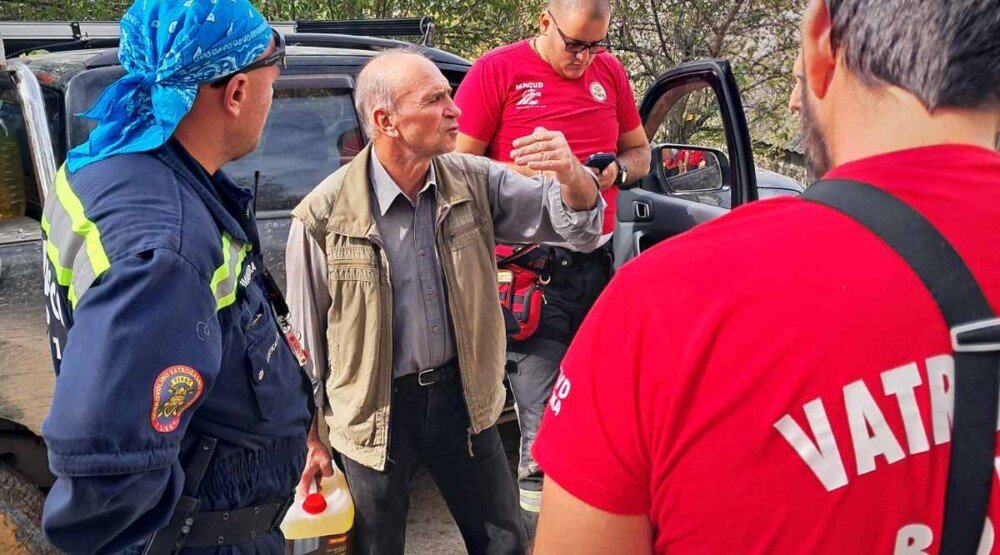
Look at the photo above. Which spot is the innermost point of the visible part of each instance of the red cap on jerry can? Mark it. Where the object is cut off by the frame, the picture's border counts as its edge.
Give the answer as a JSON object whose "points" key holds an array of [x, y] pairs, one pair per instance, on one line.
{"points": [[314, 504]]}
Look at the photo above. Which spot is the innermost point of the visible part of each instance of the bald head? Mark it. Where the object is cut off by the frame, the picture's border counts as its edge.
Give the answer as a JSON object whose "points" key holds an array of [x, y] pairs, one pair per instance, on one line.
{"points": [[593, 9], [379, 82]]}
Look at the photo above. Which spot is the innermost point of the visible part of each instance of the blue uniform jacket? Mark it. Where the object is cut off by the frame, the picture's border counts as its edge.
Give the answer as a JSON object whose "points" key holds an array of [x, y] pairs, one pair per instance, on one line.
{"points": [[162, 333]]}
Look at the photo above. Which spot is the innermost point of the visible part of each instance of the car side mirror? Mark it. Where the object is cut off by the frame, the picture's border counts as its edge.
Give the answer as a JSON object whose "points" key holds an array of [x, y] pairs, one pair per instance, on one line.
{"points": [[690, 169]]}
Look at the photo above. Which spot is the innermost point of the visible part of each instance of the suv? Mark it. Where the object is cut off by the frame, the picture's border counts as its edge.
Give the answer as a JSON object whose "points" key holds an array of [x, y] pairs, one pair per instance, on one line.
{"points": [[313, 129]]}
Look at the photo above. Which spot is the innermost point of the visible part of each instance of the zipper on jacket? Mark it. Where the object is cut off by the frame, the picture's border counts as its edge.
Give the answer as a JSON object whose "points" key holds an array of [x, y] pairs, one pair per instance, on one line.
{"points": [[385, 300], [447, 264]]}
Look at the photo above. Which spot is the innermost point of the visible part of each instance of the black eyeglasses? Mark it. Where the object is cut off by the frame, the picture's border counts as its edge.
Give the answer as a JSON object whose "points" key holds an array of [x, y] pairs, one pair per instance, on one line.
{"points": [[574, 46], [274, 58]]}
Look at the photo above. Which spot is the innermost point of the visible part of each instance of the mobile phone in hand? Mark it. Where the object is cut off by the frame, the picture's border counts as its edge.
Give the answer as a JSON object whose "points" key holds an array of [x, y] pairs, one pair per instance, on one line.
{"points": [[599, 161]]}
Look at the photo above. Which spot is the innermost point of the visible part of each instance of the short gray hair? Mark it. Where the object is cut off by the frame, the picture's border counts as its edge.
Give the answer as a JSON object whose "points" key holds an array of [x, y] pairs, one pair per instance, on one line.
{"points": [[946, 53], [595, 9], [376, 88]]}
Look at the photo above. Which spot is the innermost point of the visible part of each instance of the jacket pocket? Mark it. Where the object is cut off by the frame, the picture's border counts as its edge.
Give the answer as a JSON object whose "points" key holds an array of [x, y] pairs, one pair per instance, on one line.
{"points": [[466, 235], [352, 263], [273, 370]]}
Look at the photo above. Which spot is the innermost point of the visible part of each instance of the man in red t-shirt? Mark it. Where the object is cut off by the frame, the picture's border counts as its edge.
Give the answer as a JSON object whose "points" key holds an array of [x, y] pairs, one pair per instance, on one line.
{"points": [[563, 80], [779, 380]]}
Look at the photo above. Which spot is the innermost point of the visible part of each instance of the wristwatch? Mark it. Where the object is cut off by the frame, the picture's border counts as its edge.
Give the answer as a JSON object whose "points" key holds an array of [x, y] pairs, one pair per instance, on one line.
{"points": [[622, 177]]}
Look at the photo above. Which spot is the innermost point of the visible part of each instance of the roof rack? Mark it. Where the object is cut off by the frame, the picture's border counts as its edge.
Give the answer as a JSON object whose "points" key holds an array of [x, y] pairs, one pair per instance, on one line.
{"points": [[25, 36], [410, 26]]}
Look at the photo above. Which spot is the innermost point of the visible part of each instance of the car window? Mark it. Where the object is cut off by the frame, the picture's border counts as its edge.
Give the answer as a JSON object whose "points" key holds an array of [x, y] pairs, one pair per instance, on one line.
{"points": [[309, 133], [689, 144], [18, 193], [54, 115]]}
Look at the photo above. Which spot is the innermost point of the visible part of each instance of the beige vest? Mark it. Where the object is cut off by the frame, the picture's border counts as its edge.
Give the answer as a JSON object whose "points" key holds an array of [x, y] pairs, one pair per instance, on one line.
{"points": [[359, 334]]}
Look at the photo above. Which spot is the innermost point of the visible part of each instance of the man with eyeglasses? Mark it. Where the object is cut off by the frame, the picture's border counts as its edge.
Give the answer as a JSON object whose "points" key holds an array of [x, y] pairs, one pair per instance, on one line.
{"points": [[180, 410], [564, 80]]}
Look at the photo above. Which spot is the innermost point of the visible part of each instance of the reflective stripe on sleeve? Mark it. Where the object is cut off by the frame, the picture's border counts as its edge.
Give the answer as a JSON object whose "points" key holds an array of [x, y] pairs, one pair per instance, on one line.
{"points": [[72, 242], [226, 276], [531, 501]]}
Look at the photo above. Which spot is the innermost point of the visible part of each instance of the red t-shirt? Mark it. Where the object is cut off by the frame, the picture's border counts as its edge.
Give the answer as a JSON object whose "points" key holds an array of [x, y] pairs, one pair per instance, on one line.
{"points": [[510, 91], [778, 380], [691, 157]]}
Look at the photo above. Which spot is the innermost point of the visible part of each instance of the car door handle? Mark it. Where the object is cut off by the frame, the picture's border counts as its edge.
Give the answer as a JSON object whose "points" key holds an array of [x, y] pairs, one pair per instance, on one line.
{"points": [[637, 243], [643, 211]]}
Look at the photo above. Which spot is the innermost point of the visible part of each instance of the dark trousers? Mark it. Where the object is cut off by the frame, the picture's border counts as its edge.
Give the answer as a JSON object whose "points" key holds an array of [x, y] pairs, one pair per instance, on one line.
{"points": [[429, 426], [576, 281]]}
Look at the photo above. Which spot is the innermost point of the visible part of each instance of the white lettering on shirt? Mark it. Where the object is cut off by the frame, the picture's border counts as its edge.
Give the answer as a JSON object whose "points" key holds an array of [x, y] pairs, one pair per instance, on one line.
{"points": [[987, 539], [822, 457], [863, 415], [901, 383], [531, 95], [916, 539], [273, 347], [248, 274], [940, 375], [559, 393], [913, 539], [870, 434]]}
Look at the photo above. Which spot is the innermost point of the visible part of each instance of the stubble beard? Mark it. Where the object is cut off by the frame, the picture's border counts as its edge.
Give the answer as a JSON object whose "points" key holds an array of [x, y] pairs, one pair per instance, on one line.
{"points": [[816, 150]]}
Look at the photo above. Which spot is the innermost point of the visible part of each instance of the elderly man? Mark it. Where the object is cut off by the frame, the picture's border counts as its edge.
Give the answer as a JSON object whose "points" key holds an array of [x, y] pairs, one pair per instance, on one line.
{"points": [[830, 431], [392, 276], [180, 414], [563, 79]]}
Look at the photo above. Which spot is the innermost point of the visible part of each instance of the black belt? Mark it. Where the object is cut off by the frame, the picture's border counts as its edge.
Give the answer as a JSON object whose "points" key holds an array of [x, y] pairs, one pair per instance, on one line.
{"points": [[212, 529], [189, 527], [430, 376], [568, 257]]}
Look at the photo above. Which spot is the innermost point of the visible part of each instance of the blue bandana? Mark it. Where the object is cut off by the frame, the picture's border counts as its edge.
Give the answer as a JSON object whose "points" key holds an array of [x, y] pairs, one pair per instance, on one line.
{"points": [[168, 47]]}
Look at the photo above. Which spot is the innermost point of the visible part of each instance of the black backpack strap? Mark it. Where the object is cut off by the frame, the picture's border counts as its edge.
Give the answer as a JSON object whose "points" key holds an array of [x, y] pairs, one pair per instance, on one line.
{"points": [[975, 338]]}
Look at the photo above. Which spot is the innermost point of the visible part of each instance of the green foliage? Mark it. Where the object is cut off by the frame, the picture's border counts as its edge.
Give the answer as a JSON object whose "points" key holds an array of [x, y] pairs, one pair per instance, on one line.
{"points": [[465, 27], [759, 37]]}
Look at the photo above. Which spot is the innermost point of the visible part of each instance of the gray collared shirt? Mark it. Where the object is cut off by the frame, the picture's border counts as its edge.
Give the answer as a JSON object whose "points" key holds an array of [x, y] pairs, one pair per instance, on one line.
{"points": [[524, 210], [421, 330]]}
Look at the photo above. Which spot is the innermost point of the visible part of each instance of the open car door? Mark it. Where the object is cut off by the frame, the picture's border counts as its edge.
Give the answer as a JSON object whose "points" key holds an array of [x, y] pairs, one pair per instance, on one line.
{"points": [[701, 165]]}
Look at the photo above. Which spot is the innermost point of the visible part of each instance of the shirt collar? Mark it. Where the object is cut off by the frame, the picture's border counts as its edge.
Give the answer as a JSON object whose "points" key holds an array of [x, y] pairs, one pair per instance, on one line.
{"points": [[209, 188], [386, 189]]}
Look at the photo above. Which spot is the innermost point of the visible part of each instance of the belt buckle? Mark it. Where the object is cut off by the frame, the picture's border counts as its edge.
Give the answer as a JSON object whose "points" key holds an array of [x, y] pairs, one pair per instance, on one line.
{"points": [[420, 377]]}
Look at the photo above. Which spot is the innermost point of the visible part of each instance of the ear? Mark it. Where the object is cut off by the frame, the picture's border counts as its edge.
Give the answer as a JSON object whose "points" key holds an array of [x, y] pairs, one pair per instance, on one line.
{"points": [[384, 122], [237, 91], [544, 22], [819, 60]]}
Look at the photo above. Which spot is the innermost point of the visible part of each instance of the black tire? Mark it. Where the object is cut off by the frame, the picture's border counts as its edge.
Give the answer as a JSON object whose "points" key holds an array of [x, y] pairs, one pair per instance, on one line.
{"points": [[21, 515]]}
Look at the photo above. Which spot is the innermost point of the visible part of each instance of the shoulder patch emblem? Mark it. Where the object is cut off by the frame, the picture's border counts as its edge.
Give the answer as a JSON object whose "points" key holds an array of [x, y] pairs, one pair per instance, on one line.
{"points": [[597, 91], [175, 390]]}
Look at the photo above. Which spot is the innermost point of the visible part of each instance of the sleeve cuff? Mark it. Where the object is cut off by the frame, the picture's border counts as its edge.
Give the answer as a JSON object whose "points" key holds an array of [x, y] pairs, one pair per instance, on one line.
{"points": [[582, 228], [103, 464], [625, 499]]}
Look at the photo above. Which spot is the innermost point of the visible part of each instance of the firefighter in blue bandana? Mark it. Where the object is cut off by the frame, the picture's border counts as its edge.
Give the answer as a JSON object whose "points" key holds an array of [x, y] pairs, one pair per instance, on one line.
{"points": [[180, 408]]}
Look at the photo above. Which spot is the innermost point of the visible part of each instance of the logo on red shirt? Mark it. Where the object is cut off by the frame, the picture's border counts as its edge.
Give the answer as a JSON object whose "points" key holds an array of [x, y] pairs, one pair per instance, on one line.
{"points": [[531, 95], [559, 393], [597, 91]]}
